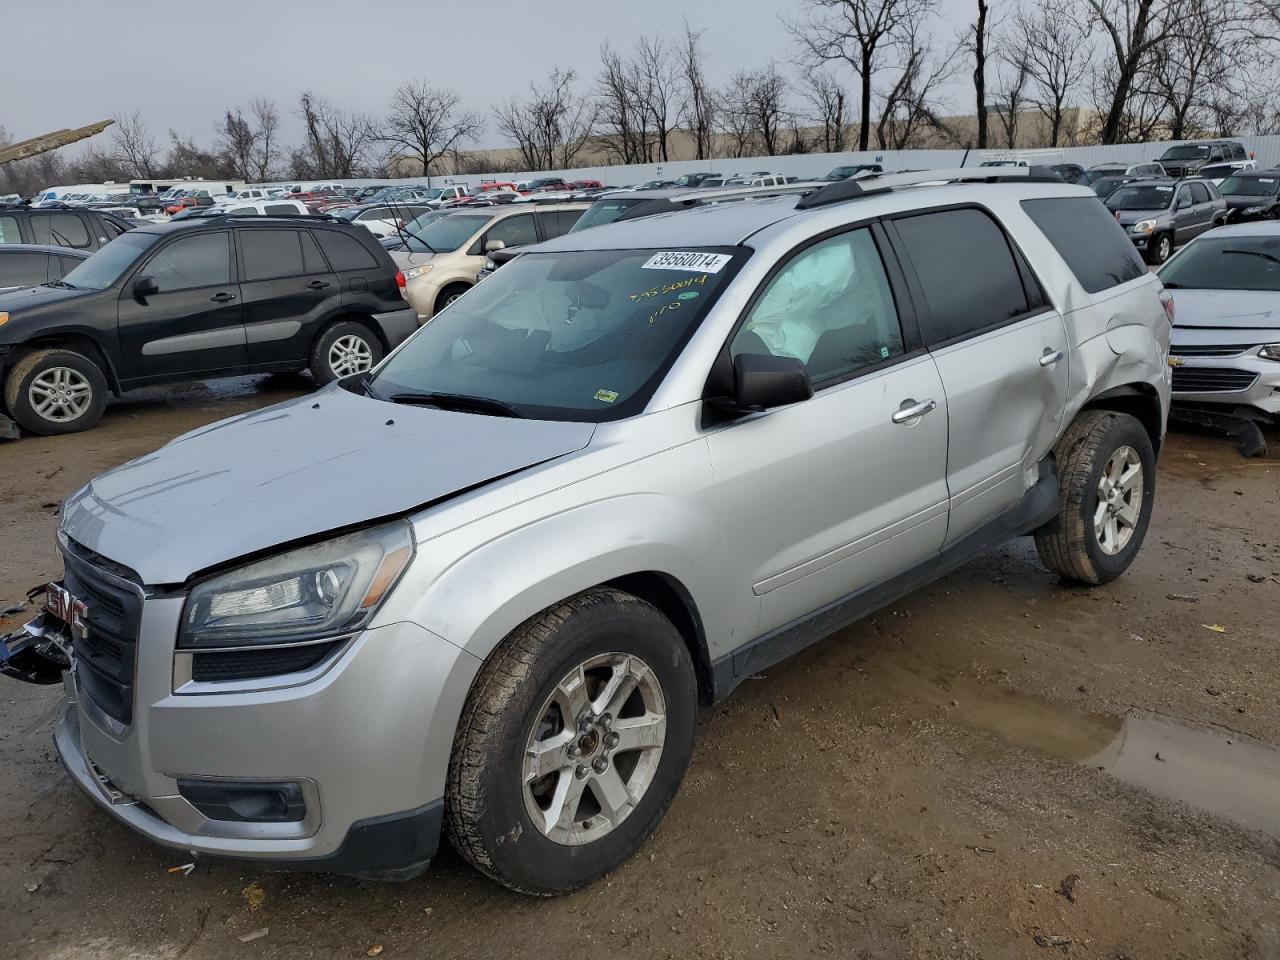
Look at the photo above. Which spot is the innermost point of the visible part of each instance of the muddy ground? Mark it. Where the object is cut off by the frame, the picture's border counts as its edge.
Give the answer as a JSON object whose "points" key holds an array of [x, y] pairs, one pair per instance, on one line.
{"points": [[912, 787]]}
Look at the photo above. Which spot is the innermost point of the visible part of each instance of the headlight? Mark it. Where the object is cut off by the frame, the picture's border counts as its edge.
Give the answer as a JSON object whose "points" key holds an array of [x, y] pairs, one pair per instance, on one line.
{"points": [[1270, 352], [322, 590], [1144, 226], [413, 273]]}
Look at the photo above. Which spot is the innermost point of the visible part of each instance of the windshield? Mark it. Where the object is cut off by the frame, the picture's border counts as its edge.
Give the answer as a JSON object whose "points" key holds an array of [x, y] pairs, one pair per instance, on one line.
{"points": [[107, 265], [1141, 198], [1188, 152], [1249, 186], [347, 213], [1104, 185], [444, 233], [564, 336], [1226, 263], [602, 212]]}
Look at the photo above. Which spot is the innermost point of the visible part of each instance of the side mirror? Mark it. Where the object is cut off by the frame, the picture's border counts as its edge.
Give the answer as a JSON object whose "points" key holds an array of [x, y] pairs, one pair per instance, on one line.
{"points": [[762, 382], [145, 287], [492, 245]]}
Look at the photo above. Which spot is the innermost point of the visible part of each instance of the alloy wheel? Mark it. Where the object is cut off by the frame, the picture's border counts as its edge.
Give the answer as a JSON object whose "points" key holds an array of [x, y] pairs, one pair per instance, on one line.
{"points": [[1119, 501], [60, 394], [594, 748], [350, 354]]}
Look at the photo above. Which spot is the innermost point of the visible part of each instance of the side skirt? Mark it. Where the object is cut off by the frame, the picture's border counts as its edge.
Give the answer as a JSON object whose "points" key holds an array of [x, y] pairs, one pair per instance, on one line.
{"points": [[1038, 506]]}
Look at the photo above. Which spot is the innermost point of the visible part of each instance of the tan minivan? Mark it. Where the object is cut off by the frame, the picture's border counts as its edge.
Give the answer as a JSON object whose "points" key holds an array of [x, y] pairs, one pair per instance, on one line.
{"points": [[447, 249]]}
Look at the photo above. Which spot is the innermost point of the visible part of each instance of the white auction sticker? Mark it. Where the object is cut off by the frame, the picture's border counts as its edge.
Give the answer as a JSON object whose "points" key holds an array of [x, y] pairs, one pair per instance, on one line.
{"points": [[697, 262]]}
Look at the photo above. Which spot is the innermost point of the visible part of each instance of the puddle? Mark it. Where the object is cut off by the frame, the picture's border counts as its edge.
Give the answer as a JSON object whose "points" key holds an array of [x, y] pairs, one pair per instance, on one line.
{"points": [[1219, 771]]}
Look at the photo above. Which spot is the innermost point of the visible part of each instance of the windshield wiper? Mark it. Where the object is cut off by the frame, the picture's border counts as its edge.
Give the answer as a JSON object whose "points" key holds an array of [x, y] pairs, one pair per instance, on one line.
{"points": [[1256, 253], [59, 283], [458, 401]]}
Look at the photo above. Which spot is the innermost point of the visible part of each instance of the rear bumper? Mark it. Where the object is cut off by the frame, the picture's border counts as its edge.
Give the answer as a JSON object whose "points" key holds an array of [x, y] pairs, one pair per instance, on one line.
{"points": [[396, 325]]}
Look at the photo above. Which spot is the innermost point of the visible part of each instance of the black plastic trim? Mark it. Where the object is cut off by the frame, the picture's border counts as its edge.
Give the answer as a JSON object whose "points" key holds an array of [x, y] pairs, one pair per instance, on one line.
{"points": [[1038, 506]]}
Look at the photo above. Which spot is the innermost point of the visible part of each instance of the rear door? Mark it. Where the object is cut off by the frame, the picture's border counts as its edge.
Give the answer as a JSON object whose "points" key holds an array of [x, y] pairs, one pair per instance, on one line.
{"points": [[192, 326], [1186, 218], [1001, 350], [289, 292]]}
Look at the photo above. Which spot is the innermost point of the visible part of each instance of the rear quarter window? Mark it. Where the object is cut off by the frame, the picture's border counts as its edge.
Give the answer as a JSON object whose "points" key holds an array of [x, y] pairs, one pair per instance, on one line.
{"points": [[344, 252], [1088, 238]]}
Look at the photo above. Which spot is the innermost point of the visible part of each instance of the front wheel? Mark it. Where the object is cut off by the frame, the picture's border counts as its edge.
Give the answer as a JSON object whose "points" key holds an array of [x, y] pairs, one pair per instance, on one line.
{"points": [[572, 744], [1107, 481], [55, 391], [1160, 250]]}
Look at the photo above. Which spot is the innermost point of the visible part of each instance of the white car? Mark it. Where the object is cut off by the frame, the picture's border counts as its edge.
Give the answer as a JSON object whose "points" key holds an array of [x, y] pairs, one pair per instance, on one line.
{"points": [[383, 219], [268, 207]]}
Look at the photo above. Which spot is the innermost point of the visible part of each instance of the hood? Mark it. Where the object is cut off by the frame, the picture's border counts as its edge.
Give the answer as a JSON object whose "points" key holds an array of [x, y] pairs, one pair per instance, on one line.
{"points": [[1228, 309], [1237, 202], [406, 260], [29, 298], [318, 463]]}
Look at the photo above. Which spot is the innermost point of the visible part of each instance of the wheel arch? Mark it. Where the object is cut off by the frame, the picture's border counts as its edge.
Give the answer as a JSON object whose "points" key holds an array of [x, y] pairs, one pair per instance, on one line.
{"points": [[73, 340], [1138, 400], [351, 316], [673, 601]]}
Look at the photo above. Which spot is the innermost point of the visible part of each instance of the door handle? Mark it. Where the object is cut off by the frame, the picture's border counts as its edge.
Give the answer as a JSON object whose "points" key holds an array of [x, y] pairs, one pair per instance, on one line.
{"points": [[223, 297], [910, 410], [1050, 357], [317, 285]]}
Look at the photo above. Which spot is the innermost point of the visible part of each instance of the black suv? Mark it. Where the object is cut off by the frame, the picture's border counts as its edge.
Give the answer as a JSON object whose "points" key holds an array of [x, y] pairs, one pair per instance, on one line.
{"points": [[196, 299], [1187, 158], [60, 227]]}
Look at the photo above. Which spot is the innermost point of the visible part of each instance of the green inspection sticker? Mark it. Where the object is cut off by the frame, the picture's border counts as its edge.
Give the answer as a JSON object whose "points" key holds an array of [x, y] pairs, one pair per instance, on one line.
{"points": [[608, 396], [688, 295]]}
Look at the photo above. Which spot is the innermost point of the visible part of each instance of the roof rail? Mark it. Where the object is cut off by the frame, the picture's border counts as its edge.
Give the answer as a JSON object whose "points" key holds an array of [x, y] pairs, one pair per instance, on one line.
{"points": [[229, 215], [713, 194], [863, 184]]}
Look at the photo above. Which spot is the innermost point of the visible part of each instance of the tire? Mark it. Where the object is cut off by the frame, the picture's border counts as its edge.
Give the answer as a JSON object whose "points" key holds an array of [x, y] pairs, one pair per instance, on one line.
{"points": [[448, 295], [490, 810], [1160, 250], [1098, 442], [73, 377], [344, 348]]}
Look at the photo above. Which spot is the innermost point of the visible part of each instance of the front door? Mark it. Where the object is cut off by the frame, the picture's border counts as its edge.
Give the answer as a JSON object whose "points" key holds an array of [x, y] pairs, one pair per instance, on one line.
{"points": [[192, 326], [825, 498], [1185, 216], [1001, 349]]}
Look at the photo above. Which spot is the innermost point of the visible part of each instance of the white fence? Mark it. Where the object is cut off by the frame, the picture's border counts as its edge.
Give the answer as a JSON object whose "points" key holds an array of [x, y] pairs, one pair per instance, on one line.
{"points": [[806, 166]]}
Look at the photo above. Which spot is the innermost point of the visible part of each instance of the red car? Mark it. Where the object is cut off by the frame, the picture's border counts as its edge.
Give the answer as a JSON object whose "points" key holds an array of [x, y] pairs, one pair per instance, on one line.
{"points": [[586, 185]]}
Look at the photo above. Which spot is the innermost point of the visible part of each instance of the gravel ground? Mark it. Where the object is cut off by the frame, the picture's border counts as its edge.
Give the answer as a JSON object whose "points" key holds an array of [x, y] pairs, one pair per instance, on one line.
{"points": [[922, 784]]}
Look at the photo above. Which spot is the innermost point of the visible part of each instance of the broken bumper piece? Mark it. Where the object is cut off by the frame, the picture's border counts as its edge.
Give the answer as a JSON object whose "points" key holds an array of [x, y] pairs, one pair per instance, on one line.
{"points": [[36, 653]]}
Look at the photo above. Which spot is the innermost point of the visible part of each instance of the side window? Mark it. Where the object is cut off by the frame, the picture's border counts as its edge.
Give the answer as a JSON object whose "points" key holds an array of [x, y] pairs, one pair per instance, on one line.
{"points": [[60, 230], [1184, 198], [312, 261], [344, 252], [830, 307], [203, 260], [377, 213], [1199, 194], [268, 254], [23, 269], [111, 228], [65, 266], [9, 232], [513, 231], [968, 273], [560, 222], [271, 208], [1237, 152], [1087, 237]]}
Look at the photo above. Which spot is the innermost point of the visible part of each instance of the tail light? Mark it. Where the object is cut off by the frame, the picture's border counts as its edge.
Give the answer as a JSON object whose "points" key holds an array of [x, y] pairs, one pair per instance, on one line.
{"points": [[1166, 301], [402, 283]]}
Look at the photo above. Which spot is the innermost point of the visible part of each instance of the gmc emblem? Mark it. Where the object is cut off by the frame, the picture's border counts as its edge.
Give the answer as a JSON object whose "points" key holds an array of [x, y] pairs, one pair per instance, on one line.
{"points": [[70, 610]]}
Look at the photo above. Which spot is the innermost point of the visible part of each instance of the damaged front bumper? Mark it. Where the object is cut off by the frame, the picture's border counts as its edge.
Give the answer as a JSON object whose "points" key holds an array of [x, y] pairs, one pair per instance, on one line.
{"points": [[37, 653]]}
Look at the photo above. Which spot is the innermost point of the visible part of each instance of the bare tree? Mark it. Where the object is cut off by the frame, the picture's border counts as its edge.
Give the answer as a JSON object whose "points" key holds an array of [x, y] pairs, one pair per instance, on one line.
{"points": [[698, 112], [978, 41], [426, 123], [266, 151], [1052, 43], [855, 32], [133, 147], [736, 113], [338, 144], [551, 127], [621, 120], [826, 101], [237, 142], [656, 79], [911, 103], [1132, 28], [1011, 91]]}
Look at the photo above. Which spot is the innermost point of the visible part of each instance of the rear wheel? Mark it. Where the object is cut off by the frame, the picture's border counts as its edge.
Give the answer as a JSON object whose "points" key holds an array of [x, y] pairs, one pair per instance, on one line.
{"points": [[345, 348], [55, 391], [1106, 476], [572, 744]]}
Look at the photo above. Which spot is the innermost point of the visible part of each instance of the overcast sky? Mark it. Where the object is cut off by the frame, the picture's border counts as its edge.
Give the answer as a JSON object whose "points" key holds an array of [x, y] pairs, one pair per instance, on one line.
{"points": [[183, 63]]}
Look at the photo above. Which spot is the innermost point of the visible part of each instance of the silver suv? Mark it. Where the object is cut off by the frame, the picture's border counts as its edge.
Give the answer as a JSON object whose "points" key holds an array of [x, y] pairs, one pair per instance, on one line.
{"points": [[483, 587]]}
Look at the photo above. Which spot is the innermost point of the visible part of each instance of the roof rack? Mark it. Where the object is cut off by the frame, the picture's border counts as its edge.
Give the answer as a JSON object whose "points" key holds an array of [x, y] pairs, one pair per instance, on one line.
{"points": [[865, 183], [696, 196], [212, 215]]}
